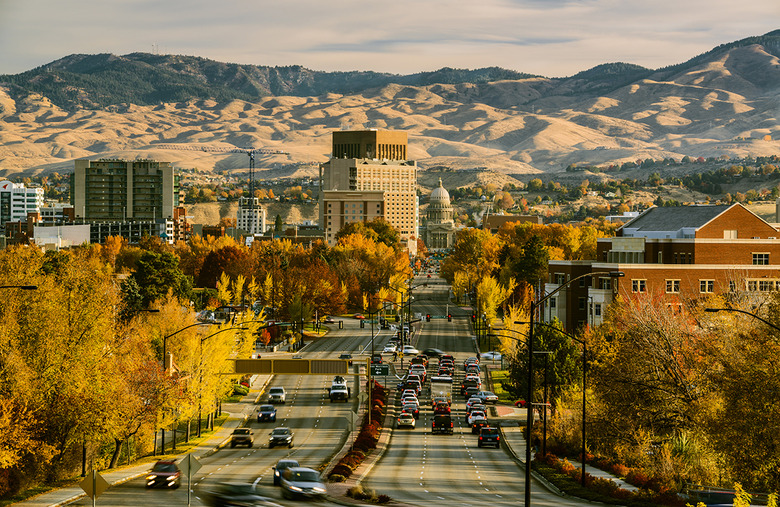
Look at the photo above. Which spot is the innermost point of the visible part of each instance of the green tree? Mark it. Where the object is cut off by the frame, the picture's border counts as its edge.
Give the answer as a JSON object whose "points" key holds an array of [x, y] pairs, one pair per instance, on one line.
{"points": [[278, 224], [158, 273]]}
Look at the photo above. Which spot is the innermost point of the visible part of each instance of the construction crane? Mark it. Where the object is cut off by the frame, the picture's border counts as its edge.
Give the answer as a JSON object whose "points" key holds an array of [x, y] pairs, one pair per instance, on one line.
{"points": [[225, 149]]}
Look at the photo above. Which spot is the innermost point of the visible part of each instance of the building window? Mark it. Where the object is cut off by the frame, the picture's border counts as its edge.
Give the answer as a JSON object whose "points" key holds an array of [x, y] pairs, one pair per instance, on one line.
{"points": [[638, 285], [597, 309], [707, 286], [752, 285], [560, 278], [582, 303], [760, 259], [766, 285], [730, 234], [672, 286], [606, 283], [552, 303]]}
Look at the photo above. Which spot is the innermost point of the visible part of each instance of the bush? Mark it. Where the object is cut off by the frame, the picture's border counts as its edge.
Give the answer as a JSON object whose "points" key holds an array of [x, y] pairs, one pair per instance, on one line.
{"points": [[383, 499], [336, 478], [238, 389], [340, 470]]}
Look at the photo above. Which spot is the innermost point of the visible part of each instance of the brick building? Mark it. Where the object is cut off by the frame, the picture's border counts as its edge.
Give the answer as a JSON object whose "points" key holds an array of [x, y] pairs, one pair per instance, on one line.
{"points": [[677, 253]]}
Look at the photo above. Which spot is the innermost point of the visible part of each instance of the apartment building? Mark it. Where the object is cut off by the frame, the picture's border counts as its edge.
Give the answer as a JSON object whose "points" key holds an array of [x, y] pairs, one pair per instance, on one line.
{"points": [[676, 254], [369, 176], [16, 201], [251, 216]]}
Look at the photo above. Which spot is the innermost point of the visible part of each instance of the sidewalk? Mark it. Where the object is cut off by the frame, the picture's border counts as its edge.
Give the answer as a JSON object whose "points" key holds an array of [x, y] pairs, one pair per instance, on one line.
{"points": [[512, 422], [237, 414]]}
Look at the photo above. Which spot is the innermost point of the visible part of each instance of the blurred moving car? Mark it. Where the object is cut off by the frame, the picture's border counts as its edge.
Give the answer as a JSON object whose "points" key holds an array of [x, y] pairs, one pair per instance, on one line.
{"points": [[281, 466], [242, 436], [164, 473], [230, 494], [433, 352], [300, 482]]}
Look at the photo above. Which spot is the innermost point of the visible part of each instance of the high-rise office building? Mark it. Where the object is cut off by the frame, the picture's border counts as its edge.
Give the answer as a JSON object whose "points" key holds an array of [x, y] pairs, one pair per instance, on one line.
{"points": [[124, 190], [251, 217], [369, 176]]}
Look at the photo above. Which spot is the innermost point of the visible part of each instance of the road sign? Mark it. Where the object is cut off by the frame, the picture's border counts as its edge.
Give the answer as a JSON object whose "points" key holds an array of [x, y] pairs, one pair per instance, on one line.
{"points": [[380, 370], [93, 485], [362, 397], [188, 465]]}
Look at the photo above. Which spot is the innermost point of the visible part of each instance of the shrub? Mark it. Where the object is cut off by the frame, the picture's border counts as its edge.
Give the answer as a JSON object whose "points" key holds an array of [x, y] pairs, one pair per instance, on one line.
{"points": [[238, 389], [336, 478], [341, 470], [383, 499]]}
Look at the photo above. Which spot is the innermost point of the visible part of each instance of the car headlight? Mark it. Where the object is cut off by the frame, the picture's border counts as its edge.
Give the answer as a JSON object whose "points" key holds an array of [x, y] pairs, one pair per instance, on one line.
{"points": [[276, 473], [295, 488], [172, 478], [151, 477], [319, 490]]}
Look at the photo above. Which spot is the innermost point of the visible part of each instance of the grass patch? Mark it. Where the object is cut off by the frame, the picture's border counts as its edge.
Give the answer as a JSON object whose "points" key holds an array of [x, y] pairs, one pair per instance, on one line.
{"points": [[499, 376]]}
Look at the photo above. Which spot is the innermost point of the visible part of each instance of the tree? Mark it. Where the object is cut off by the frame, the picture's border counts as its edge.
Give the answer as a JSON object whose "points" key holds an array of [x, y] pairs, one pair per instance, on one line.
{"points": [[278, 224], [158, 273]]}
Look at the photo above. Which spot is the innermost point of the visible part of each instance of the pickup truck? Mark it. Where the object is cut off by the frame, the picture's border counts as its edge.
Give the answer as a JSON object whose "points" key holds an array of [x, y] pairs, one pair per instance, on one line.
{"points": [[339, 390]]}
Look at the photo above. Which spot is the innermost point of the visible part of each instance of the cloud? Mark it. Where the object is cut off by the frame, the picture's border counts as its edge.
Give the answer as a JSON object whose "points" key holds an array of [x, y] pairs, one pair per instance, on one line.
{"points": [[548, 37]]}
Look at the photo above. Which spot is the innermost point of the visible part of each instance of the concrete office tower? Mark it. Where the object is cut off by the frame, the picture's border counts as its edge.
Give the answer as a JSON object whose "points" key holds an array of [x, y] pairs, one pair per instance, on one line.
{"points": [[369, 176], [16, 201], [251, 217], [110, 189]]}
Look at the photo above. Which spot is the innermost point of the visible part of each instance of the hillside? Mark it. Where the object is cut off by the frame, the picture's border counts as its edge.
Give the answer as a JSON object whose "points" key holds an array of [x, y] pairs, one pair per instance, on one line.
{"points": [[723, 102]]}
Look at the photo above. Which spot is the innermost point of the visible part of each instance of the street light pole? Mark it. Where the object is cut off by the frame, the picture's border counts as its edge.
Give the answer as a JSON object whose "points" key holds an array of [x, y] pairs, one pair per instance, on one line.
{"points": [[165, 338], [737, 310], [529, 419]]}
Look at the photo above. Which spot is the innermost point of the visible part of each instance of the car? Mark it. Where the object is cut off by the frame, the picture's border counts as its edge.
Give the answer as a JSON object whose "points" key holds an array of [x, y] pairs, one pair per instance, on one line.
{"points": [[411, 401], [280, 436], [277, 395], [359, 316], [470, 360], [421, 360], [474, 415], [411, 408], [346, 357], [439, 399], [266, 413], [491, 356], [487, 397], [442, 408], [476, 408], [164, 473], [472, 369], [376, 359], [408, 392], [474, 400], [329, 320], [229, 494], [442, 423], [520, 403], [413, 384], [300, 482], [489, 436], [281, 466], [405, 420], [429, 276], [390, 348], [477, 424], [414, 376], [242, 436], [409, 350], [447, 357], [433, 352]]}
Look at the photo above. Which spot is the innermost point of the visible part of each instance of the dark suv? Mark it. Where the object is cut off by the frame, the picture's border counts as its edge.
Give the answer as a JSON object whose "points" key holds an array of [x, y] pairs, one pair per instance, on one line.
{"points": [[488, 436], [442, 423]]}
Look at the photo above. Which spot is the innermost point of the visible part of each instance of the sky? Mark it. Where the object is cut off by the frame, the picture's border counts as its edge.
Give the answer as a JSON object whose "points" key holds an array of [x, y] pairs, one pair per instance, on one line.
{"points": [[553, 38]]}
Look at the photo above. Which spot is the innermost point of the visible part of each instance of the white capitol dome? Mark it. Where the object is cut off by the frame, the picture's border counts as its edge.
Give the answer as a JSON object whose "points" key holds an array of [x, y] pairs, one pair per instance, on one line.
{"points": [[440, 195]]}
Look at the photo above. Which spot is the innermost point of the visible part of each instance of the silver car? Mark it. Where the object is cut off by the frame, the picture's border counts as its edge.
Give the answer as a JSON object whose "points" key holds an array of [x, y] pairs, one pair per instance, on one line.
{"points": [[300, 482], [277, 395]]}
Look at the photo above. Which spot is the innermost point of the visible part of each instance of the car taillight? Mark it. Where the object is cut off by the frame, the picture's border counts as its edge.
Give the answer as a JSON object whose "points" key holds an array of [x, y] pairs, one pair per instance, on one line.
{"points": [[480, 437]]}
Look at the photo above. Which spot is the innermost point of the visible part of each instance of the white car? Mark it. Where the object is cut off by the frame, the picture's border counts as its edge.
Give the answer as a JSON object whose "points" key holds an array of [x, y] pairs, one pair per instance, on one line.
{"points": [[408, 349], [477, 414], [390, 348], [491, 356]]}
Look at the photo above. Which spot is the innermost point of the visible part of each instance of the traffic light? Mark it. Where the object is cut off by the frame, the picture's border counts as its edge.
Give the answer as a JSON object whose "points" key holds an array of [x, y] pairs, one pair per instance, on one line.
{"points": [[428, 318], [449, 318]]}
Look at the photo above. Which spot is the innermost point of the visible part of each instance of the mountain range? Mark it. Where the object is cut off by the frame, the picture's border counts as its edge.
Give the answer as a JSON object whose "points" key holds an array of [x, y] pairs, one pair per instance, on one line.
{"points": [[723, 102]]}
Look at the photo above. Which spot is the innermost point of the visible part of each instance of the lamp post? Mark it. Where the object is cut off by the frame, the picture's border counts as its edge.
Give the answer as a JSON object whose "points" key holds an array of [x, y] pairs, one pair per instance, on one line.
{"points": [[22, 287], [200, 389], [165, 338], [737, 310], [529, 418]]}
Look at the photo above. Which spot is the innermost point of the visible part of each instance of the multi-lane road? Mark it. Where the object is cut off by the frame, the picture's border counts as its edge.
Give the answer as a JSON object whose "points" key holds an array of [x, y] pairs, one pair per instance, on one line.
{"points": [[417, 468]]}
